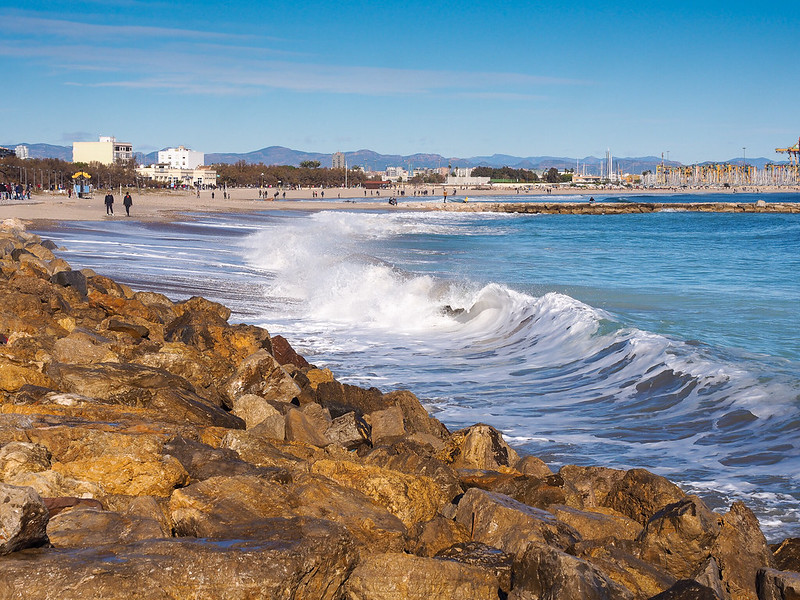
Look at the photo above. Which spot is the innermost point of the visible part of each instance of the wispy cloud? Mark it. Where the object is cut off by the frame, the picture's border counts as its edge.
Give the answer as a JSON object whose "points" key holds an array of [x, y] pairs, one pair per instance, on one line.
{"points": [[187, 61]]}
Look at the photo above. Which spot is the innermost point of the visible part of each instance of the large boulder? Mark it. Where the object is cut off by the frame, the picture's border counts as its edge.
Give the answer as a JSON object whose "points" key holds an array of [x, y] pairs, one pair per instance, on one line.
{"points": [[431, 537], [597, 523], [479, 447], [90, 527], [260, 374], [532, 491], [504, 523], [287, 559], [740, 550], [411, 499], [22, 457], [778, 585], [23, 519], [640, 494], [786, 555], [406, 577], [541, 571], [678, 538], [588, 487]]}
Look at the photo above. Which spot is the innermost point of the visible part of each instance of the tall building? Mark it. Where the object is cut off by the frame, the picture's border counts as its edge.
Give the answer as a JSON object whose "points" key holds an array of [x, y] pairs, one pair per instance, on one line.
{"points": [[107, 150], [22, 152], [338, 161], [181, 158]]}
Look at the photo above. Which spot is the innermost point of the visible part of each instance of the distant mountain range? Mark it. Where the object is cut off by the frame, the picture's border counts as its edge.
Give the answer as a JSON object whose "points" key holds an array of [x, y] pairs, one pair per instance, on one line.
{"points": [[279, 155]]}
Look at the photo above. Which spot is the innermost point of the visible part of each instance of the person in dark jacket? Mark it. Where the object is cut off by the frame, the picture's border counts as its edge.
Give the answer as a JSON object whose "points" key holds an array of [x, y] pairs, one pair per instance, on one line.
{"points": [[109, 203], [127, 202]]}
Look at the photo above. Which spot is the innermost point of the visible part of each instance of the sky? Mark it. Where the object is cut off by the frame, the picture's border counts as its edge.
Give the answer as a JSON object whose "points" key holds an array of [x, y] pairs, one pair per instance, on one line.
{"points": [[695, 80]]}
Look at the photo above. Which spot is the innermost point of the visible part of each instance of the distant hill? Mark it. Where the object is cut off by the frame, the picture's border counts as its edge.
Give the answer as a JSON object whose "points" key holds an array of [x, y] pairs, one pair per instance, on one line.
{"points": [[368, 159]]}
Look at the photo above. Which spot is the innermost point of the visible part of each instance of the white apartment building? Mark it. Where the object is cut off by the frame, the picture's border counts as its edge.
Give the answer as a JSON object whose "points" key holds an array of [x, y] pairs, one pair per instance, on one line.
{"points": [[181, 158], [396, 173], [107, 150], [22, 152], [197, 177]]}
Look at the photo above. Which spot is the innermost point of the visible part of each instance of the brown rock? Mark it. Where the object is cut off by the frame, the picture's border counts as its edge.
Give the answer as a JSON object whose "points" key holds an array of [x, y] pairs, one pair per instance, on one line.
{"points": [[260, 374], [285, 354], [533, 466], [22, 457], [90, 527], [481, 555], [430, 537], [415, 460], [58, 505], [479, 447], [171, 397], [386, 426], [411, 499], [523, 488], [678, 538], [253, 410], [504, 523], [407, 577], [778, 585], [202, 461], [595, 525], [588, 487], [83, 347], [288, 559], [640, 494], [687, 589], [23, 519], [617, 560], [740, 550], [349, 431], [786, 555], [300, 428], [127, 475], [542, 571]]}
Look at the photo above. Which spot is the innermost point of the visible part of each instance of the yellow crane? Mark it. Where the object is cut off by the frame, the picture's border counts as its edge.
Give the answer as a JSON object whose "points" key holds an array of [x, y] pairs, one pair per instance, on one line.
{"points": [[793, 152]]}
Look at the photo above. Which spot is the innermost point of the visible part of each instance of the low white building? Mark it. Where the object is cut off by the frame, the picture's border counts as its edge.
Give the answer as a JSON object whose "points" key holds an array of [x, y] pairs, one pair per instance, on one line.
{"points": [[396, 174], [198, 177], [181, 158]]}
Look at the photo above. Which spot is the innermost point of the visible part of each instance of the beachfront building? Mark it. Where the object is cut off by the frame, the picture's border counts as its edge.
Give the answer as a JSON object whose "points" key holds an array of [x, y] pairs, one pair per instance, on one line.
{"points": [[200, 176], [338, 161], [181, 158], [22, 152], [463, 176], [396, 174], [107, 151]]}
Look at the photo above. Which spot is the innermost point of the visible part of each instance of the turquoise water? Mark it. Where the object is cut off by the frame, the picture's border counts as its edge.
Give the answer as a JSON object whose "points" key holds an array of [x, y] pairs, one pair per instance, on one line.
{"points": [[667, 341]]}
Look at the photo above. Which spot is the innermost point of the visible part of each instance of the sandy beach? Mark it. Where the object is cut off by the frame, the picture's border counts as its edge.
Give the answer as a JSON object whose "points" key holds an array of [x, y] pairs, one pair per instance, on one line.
{"points": [[166, 205]]}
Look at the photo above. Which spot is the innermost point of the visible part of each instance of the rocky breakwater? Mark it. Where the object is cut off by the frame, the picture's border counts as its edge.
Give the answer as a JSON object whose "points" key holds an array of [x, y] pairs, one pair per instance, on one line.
{"points": [[620, 208], [150, 449]]}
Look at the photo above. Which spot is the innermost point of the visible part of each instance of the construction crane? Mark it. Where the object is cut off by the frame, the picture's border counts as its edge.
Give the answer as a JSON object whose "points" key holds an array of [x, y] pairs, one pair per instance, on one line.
{"points": [[793, 152]]}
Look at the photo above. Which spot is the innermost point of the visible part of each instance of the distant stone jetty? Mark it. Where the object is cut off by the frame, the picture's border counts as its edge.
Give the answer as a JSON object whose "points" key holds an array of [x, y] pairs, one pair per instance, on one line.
{"points": [[151, 450], [621, 208]]}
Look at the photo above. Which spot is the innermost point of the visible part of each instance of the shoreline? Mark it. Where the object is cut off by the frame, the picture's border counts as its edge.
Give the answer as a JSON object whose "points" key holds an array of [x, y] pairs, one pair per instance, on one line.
{"points": [[173, 205]]}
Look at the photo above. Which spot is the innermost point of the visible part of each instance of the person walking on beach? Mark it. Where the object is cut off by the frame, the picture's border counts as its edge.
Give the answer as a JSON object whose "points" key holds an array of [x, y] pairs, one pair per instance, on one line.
{"points": [[127, 202], [109, 203]]}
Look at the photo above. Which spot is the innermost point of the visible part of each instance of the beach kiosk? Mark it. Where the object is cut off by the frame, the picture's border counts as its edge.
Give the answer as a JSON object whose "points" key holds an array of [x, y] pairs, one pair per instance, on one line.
{"points": [[81, 185]]}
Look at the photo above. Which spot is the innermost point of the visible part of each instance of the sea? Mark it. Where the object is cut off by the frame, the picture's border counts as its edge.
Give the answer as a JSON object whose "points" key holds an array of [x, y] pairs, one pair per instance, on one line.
{"points": [[668, 341]]}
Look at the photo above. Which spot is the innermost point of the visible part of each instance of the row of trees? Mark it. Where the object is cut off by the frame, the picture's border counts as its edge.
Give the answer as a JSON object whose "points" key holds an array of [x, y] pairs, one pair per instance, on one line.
{"points": [[309, 174], [506, 174], [53, 173]]}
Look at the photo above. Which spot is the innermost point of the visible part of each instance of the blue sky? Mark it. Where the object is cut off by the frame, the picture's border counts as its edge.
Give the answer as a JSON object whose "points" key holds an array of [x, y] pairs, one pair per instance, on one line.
{"points": [[699, 80]]}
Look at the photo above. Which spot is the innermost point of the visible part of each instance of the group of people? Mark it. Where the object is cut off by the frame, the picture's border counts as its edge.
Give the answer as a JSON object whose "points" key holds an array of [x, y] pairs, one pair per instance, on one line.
{"points": [[9, 191], [127, 202]]}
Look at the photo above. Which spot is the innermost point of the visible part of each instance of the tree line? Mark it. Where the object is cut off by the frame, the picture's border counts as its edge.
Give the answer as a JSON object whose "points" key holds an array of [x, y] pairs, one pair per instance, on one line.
{"points": [[53, 173]]}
